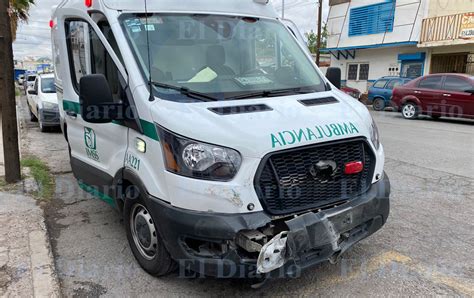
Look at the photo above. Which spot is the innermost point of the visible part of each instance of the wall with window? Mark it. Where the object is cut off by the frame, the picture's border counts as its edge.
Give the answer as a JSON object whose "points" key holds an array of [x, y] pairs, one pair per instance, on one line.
{"points": [[372, 64], [375, 22]]}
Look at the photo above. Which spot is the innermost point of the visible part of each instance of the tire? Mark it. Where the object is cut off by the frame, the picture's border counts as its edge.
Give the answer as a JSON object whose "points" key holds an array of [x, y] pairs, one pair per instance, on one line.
{"points": [[410, 111], [144, 240], [41, 126], [32, 116], [379, 104]]}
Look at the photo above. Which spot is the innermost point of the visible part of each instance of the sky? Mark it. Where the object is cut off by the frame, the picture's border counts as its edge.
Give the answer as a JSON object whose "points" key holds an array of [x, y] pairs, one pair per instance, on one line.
{"points": [[33, 38]]}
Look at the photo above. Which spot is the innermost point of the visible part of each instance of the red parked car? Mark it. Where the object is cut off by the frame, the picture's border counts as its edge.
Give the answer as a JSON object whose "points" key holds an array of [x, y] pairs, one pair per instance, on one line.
{"points": [[436, 95], [352, 92]]}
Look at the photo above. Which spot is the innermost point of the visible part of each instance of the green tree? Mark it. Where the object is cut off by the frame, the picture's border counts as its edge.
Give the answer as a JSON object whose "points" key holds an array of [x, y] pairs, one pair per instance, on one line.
{"points": [[324, 36], [312, 38], [11, 12], [19, 12]]}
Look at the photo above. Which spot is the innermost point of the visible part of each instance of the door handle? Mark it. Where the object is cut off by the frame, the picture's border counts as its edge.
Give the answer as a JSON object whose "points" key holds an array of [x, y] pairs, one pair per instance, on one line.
{"points": [[71, 114], [447, 95]]}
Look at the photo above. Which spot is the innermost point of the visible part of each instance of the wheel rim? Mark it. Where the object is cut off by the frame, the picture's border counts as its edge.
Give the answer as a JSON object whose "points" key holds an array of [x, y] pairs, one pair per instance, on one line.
{"points": [[143, 232], [409, 111], [379, 104]]}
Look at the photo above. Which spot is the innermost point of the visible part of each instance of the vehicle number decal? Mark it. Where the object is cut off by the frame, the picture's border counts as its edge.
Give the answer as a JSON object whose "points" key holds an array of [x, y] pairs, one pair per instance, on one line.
{"points": [[132, 161]]}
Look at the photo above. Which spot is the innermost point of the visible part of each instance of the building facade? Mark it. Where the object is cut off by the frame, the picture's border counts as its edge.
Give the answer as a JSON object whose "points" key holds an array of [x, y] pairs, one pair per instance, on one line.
{"points": [[447, 36], [369, 39]]}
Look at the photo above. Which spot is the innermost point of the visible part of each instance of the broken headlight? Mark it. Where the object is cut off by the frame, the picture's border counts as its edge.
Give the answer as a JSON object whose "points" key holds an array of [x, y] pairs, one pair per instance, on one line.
{"points": [[195, 159]]}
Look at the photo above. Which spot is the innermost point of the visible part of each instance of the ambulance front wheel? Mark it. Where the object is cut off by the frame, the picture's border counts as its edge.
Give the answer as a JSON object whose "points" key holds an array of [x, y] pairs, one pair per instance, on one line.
{"points": [[145, 241]]}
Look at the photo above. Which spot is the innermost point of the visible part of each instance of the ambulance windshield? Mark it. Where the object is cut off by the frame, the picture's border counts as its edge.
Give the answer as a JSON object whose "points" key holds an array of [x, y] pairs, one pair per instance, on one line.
{"points": [[223, 57]]}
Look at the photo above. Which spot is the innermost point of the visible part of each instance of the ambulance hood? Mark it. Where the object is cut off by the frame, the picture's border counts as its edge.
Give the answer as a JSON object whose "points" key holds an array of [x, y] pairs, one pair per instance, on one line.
{"points": [[260, 126]]}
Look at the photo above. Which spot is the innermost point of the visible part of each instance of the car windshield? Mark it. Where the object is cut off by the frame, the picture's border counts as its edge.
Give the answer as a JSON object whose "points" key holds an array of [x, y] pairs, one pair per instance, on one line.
{"points": [[31, 78], [47, 85], [223, 57]]}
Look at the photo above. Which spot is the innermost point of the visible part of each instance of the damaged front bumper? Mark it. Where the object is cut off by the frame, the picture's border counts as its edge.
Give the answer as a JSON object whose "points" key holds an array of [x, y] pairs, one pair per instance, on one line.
{"points": [[247, 245]]}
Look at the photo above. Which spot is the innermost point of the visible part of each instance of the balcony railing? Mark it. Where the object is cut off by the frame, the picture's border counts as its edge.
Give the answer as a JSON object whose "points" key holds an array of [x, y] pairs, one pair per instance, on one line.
{"points": [[448, 28]]}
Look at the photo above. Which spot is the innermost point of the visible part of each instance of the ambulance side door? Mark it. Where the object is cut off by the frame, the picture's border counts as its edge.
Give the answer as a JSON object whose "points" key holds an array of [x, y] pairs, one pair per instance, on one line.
{"points": [[97, 150]]}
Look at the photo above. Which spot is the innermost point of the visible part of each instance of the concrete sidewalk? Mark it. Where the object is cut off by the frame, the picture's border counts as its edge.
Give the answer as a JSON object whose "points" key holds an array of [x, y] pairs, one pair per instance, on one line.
{"points": [[26, 262]]}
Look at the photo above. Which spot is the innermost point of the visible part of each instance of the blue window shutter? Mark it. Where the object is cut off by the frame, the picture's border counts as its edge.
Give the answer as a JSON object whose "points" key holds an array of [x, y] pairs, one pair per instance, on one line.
{"points": [[372, 19]]}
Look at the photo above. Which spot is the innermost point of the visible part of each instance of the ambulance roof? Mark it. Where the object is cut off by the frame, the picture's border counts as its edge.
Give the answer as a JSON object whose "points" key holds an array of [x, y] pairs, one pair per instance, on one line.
{"points": [[226, 7]]}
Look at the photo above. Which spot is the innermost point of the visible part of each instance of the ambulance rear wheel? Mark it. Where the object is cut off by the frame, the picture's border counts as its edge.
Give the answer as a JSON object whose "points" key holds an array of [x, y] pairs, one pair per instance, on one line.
{"points": [[144, 239]]}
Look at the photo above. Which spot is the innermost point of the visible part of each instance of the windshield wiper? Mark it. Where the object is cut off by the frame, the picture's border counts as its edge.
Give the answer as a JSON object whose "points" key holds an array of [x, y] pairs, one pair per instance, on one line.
{"points": [[186, 91], [272, 93]]}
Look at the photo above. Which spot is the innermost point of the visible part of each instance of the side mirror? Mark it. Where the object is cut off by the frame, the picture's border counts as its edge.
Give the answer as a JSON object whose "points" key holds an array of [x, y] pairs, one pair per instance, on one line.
{"points": [[333, 74], [32, 92], [470, 91], [96, 100]]}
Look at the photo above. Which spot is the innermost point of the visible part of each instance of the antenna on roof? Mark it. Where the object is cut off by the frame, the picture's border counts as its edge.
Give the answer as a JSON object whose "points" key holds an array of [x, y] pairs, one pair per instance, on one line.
{"points": [[150, 88]]}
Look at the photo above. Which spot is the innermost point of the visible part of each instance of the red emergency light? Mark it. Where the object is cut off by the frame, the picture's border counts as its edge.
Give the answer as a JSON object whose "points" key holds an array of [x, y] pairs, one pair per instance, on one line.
{"points": [[51, 24], [354, 167], [88, 3]]}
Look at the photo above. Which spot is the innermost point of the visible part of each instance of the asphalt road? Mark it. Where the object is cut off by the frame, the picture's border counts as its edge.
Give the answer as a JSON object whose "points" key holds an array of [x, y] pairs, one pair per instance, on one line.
{"points": [[424, 249]]}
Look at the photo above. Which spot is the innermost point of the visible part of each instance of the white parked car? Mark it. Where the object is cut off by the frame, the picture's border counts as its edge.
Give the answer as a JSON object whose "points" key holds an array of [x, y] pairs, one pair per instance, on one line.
{"points": [[21, 78], [29, 82], [43, 102]]}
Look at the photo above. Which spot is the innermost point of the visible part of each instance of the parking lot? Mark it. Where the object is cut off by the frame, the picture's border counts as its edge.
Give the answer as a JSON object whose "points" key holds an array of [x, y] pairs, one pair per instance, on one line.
{"points": [[424, 249]]}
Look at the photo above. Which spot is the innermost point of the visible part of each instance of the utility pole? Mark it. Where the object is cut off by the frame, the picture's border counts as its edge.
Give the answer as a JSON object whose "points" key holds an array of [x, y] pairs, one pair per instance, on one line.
{"points": [[320, 17], [282, 9], [7, 98]]}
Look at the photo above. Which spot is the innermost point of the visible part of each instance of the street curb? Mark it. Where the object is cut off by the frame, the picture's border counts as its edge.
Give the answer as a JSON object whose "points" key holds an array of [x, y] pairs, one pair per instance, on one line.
{"points": [[45, 280], [43, 269]]}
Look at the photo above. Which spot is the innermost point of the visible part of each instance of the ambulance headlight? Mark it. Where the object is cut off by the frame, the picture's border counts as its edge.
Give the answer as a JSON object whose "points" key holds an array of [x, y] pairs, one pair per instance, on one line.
{"points": [[374, 135], [198, 160]]}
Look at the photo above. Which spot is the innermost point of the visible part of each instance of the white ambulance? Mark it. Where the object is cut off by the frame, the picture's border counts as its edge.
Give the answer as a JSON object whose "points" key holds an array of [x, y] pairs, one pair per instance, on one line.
{"points": [[209, 127]]}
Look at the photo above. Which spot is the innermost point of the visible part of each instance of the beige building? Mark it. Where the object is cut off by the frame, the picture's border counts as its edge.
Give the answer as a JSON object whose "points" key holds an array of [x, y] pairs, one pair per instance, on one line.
{"points": [[448, 36]]}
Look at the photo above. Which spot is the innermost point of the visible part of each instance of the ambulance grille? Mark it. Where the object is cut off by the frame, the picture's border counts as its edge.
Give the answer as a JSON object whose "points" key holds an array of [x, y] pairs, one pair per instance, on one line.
{"points": [[285, 182]]}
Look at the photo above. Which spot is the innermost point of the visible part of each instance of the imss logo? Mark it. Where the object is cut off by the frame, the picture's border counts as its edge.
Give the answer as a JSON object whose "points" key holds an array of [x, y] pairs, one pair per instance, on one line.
{"points": [[91, 144]]}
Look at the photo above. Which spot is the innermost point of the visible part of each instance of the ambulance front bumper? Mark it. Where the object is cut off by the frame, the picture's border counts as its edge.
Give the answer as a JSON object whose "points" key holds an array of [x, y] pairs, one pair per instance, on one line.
{"points": [[205, 243]]}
